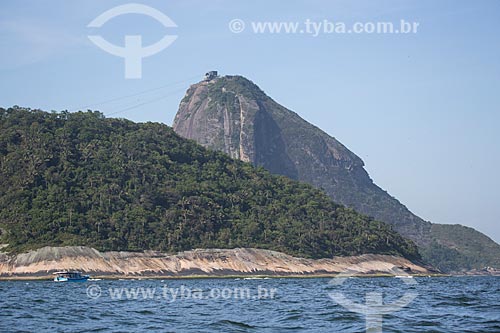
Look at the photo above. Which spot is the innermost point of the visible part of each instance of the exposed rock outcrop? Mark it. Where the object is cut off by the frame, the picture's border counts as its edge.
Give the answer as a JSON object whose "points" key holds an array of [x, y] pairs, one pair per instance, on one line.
{"points": [[208, 262]]}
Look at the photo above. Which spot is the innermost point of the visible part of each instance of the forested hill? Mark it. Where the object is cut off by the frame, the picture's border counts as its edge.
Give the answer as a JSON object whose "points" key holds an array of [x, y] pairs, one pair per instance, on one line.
{"points": [[82, 179]]}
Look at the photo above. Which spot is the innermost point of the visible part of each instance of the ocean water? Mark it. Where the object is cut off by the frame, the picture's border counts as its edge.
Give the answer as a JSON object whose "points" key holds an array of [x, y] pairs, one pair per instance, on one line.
{"points": [[438, 304]]}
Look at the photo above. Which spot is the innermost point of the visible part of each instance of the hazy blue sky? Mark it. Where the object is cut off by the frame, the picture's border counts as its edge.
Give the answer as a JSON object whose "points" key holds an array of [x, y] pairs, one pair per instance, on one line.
{"points": [[422, 110]]}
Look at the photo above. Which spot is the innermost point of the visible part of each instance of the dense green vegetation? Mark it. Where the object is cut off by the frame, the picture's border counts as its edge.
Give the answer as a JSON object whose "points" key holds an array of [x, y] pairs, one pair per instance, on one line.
{"points": [[455, 247], [82, 179]]}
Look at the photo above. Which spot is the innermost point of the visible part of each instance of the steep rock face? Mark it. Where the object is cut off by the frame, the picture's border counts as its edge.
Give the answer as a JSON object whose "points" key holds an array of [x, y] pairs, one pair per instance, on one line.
{"points": [[231, 114]]}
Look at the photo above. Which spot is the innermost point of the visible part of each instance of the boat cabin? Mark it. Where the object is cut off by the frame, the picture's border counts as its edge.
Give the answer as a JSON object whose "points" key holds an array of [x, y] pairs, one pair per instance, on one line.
{"points": [[70, 276]]}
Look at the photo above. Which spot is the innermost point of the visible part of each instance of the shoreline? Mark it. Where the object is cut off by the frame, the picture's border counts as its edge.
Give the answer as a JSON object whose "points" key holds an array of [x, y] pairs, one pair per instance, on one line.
{"points": [[241, 277], [199, 263], [221, 277]]}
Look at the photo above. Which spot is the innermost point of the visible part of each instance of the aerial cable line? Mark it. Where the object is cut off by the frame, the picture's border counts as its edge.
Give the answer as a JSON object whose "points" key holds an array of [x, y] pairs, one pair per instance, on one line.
{"points": [[144, 103], [135, 94]]}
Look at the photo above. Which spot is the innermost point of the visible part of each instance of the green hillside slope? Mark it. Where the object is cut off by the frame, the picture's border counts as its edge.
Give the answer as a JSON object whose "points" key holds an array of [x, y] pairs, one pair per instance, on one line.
{"points": [[82, 179]]}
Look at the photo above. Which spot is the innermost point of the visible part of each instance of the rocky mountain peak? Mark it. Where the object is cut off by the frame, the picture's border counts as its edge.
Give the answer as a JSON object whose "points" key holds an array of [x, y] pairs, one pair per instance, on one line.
{"points": [[233, 115]]}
